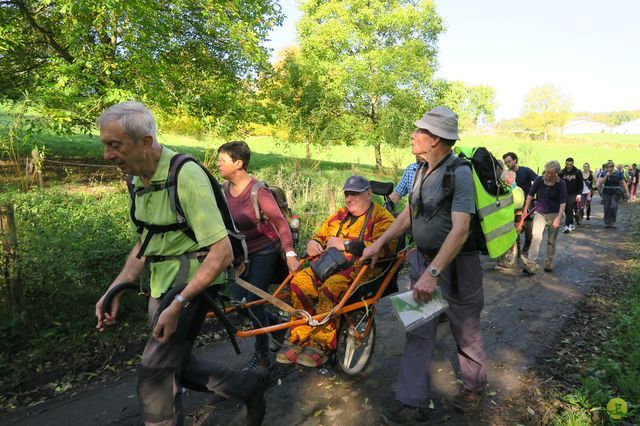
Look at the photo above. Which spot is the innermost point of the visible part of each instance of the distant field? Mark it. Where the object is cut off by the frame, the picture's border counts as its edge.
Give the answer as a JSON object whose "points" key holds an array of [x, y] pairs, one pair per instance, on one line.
{"points": [[593, 148]]}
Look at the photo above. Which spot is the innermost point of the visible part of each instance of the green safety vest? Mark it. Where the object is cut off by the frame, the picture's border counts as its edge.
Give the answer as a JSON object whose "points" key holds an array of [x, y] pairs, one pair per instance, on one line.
{"points": [[495, 212]]}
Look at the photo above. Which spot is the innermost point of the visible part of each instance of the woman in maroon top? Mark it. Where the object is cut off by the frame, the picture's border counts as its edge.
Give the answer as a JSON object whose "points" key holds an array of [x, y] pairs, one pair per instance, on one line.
{"points": [[266, 239]]}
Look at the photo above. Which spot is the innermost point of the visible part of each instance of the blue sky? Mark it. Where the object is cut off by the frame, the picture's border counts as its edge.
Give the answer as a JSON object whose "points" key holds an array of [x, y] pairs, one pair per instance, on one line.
{"points": [[589, 49]]}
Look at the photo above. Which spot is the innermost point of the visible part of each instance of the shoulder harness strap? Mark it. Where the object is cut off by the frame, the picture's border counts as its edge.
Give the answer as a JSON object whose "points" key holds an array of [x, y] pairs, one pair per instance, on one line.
{"points": [[254, 199]]}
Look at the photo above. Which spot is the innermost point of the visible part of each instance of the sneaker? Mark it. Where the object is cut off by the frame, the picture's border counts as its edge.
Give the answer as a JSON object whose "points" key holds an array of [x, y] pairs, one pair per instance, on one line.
{"points": [[288, 354], [548, 265], [572, 227], [614, 226], [588, 218], [258, 360], [565, 230], [401, 414], [256, 405], [312, 357], [467, 401]]}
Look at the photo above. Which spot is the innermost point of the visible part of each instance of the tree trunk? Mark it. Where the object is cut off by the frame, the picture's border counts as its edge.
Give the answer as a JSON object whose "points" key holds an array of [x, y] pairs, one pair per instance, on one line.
{"points": [[9, 256], [378, 155]]}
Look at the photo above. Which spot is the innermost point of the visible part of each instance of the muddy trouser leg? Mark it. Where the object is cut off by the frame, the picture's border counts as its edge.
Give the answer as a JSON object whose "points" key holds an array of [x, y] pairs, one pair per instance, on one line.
{"points": [[165, 367], [260, 274], [568, 211], [608, 199], [539, 222], [613, 208], [552, 235], [416, 362]]}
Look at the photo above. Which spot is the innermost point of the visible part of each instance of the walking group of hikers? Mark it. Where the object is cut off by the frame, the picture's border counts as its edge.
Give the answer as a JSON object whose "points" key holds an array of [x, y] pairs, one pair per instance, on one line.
{"points": [[562, 195], [191, 245]]}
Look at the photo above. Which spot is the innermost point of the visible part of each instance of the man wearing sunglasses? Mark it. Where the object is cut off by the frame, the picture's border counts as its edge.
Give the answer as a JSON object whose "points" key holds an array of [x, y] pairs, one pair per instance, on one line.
{"points": [[440, 225]]}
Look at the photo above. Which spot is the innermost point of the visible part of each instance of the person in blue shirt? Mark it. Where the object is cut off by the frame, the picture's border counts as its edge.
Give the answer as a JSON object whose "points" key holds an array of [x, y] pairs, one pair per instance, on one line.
{"points": [[612, 182], [406, 182]]}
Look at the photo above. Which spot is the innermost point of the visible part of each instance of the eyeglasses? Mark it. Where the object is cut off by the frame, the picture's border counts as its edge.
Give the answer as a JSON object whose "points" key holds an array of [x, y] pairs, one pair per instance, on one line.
{"points": [[225, 160]]}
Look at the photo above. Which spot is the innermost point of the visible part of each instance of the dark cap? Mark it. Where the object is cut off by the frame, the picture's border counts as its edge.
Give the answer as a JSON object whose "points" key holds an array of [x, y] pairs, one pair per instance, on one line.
{"points": [[356, 183]]}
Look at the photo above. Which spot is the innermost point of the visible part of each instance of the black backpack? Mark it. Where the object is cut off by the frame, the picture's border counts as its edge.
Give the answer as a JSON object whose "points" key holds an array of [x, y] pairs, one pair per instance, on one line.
{"points": [[238, 244]]}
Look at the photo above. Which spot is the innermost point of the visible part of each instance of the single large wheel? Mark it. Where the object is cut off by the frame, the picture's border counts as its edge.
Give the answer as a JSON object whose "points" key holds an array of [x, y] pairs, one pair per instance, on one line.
{"points": [[510, 258], [353, 354]]}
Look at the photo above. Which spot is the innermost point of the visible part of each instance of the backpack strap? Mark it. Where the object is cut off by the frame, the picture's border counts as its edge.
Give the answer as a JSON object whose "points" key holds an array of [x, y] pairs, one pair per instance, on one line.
{"points": [[254, 199]]}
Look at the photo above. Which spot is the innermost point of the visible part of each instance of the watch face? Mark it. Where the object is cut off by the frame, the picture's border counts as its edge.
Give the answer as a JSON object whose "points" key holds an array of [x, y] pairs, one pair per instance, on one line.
{"points": [[434, 272]]}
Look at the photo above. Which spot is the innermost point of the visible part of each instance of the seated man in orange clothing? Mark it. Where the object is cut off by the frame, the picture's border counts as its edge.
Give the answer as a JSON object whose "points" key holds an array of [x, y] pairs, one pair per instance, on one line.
{"points": [[357, 224]]}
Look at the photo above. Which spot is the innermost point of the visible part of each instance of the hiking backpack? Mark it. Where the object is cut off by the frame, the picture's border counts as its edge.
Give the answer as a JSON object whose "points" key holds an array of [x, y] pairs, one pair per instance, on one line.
{"points": [[281, 199], [238, 244], [492, 228]]}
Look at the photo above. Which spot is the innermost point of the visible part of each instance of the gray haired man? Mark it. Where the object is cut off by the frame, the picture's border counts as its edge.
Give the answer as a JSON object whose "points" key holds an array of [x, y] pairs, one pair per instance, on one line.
{"points": [[447, 258], [128, 135]]}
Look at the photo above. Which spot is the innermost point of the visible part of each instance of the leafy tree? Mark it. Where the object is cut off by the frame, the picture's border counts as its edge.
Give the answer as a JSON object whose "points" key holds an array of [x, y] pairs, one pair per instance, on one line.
{"points": [[545, 108], [472, 103], [77, 56], [380, 56], [303, 101]]}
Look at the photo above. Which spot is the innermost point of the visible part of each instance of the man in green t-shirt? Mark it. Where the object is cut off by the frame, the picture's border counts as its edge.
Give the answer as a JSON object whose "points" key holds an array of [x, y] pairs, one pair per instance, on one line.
{"points": [[128, 134]]}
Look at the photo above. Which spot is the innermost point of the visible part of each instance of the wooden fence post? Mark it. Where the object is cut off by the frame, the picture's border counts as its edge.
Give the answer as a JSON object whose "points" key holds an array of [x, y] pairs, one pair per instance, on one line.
{"points": [[37, 166], [10, 255]]}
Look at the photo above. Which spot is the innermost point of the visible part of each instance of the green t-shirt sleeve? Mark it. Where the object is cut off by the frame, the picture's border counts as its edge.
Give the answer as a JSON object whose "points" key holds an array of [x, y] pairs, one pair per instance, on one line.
{"points": [[199, 205]]}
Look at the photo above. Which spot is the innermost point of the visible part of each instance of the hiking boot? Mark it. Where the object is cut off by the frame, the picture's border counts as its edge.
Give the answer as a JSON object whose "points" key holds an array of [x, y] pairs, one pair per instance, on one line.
{"points": [[256, 405], [401, 414], [258, 360], [467, 401], [529, 268], [548, 265]]}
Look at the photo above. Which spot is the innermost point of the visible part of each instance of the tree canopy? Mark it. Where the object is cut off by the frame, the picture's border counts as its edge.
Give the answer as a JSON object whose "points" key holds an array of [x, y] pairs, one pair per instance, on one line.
{"points": [[545, 108], [377, 58], [77, 56]]}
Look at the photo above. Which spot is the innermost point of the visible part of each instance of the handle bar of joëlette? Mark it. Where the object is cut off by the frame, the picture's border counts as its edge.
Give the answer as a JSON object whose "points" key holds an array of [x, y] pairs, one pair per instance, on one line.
{"points": [[166, 300], [108, 298]]}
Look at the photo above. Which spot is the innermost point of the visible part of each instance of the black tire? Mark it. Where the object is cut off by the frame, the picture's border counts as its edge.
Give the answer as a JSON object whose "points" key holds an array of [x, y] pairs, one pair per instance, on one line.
{"points": [[510, 258], [352, 356]]}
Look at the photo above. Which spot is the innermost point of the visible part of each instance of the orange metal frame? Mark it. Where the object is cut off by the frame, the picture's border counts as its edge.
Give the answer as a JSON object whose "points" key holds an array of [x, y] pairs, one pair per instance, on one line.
{"points": [[340, 309]]}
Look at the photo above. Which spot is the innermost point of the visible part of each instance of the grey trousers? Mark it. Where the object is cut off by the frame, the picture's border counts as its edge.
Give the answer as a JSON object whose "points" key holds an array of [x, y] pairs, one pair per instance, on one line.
{"points": [[610, 207], [167, 367], [416, 363]]}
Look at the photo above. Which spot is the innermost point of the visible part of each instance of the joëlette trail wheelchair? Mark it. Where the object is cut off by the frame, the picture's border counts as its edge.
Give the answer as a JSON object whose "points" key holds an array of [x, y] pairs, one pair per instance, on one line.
{"points": [[356, 309]]}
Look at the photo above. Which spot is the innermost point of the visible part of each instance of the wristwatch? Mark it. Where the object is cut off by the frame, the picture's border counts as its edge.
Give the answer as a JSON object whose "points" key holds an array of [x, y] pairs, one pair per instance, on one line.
{"points": [[291, 253], [184, 302], [434, 271], [346, 244]]}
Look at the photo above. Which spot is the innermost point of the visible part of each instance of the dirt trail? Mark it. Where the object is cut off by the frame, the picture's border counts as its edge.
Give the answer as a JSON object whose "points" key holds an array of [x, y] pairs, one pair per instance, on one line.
{"points": [[521, 318]]}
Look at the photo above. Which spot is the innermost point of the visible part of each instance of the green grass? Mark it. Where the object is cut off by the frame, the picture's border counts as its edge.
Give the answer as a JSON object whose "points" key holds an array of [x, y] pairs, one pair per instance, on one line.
{"points": [[614, 372]]}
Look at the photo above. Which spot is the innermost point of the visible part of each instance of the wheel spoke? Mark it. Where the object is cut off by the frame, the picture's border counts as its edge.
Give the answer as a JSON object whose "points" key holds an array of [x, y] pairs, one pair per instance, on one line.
{"points": [[349, 351]]}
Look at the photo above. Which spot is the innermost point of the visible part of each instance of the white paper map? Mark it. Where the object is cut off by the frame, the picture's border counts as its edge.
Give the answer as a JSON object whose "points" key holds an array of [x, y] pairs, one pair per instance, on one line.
{"points": [[414, 314]]}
